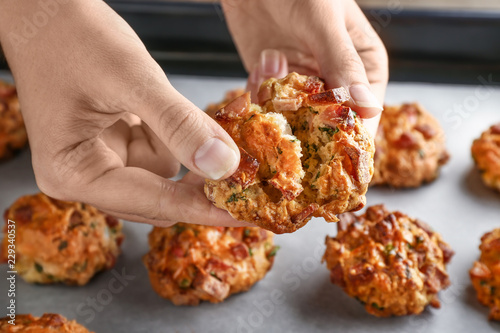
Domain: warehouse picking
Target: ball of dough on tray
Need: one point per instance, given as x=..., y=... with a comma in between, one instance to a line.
x=486, y=153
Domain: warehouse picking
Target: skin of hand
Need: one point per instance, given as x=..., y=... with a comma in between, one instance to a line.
x=331, y=39
x=85, y=82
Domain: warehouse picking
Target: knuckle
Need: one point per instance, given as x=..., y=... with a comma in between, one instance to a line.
x=179, y=126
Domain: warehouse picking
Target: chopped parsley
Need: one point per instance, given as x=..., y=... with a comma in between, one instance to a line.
x=388, y=249
x=376, y=306
x=38, y=267
x=62, y=245
x=419, y=239
x=421, y=153
x=273, y=251
x=246, y=232
x=235, y=197
x=179, y=228
x=317, y=175
x=184, y=283
x=279, y=150
x=312, y=110
x=250, y=252
x=328, y=130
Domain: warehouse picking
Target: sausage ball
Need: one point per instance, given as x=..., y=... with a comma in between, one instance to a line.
x=13, y=135
x=190, y=263
x=391, y=263
x=410, y=147
x=58, y=241
x=303, y=154
x=48, y=323
x=486, y=155
x=485, y=274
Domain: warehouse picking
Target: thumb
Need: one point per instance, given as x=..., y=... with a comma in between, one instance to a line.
x=194, y=139
x=342, y=67
x=272, y=63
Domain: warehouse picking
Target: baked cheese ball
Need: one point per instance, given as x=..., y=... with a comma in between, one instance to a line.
x=391, y=263
x=303, y=154
x=486, y=155
x=485, y=274
x=13, y=135
x=410, y=147
x=58, y=241
x=48, y=323
x=190, y=263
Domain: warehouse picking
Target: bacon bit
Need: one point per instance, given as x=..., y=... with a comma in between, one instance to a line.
x=411, y=111
x=236, y=233
x=287, y=104
x=313, y=85
x=361, y=161
x=75, y=219
x=53, y=320
x=239, y=251
x=220, y=229
x=332, y=96
x=337, y=276
x=493, y=245
x=345, y=220
x=111, y=221
x=424, y=226
x=406, y=141
x=375, y=213
x=237, y=108
x=216, y=265
x=447, y=251
x=427, y=131
x=384, y=229
x=110, y=260
x=246, y=172
x=339, y=116
x=435, y=278
x=443, y=159
x=23, y=214
x=264, y=94
x=177, y=251
x=361, y=274
x=480, y=271
x=305, y=213
x=211, y=285
x=495, y=129
x=7, y=91
x=289, y=189
x=119, y=240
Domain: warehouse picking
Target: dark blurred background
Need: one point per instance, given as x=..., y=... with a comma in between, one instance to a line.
x=447, y=41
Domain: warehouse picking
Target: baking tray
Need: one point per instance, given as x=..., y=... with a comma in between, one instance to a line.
x=457, y=205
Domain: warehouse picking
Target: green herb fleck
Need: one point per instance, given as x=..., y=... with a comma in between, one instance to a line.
x=92, y=225
x=306, y=165
x=482, y=282
x=410, y=247
x=388, y=249
x=304, y=126
x=235, y=197
x=312, y=110
x=213, y=274
x=317, y=175
x=250, y=252
x=38, y=267
x=246, y=232
x=62, y=245
x=179, y=228
x=315, y=147
x=273, y=251
x=421, y=153
x=185, y=283
x=328, y=130
x=354, y=114
x=294, y=140
x=419, y=239
x=280, y=151
x=376, y=306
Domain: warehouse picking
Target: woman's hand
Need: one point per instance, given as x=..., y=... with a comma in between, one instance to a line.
x=85, y=81
x=328, y=38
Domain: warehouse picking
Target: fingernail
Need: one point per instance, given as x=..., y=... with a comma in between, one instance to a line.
x=363, y=97
x=269, y=63
x=215, y=158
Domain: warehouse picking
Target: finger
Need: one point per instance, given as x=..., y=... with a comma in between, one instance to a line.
x=138, y=195
x=138, y=146
x=272, y=63
x=371, y=124
x=340, y=64
x=370, y=49
x=192, y=137
x=146, y=151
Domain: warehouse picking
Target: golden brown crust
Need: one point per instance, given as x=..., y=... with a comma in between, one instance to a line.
x=486, y=154
x=393, y=264
x=58, y=241
x=485, y=274
x=410, y=147
x=48, y=323
x=13, y=135
x=190, y=263
x=313, y=156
